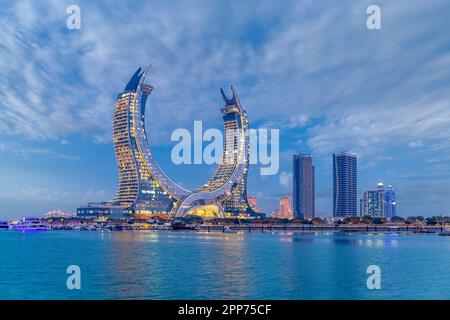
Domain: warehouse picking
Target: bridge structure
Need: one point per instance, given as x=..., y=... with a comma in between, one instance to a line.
x=145, y=189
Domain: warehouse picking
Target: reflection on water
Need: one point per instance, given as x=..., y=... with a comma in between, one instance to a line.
x=190, y=265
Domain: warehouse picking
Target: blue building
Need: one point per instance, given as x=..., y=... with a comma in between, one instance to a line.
x=303, y=186
x=390, y=202
x=344, y=185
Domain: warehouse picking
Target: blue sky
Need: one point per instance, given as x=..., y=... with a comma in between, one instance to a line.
x=309, y=68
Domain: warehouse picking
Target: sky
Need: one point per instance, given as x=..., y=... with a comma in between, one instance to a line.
x=311, y=69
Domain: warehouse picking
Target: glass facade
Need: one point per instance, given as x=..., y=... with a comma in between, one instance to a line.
x=373, y=202
x=390, y=202
x=303, y=186
x=227, y=188
x=137, y=188
x=344, y=185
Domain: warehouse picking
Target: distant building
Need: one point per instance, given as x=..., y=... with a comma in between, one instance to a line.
x=390, y=202
x=285, y=210
x=303, y=186
x=253, y=203
x=373, y=202
x=344, y=185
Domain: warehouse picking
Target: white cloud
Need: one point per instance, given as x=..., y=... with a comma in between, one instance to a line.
x=416, y=143
x=46, y=195
x=285, y=179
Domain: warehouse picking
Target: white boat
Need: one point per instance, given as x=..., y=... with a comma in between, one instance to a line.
x=29, y=224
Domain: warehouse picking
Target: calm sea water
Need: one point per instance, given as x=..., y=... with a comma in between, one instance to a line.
x=184, y=265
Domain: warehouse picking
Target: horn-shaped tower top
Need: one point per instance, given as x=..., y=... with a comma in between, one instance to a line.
x=234, y=101
x=133, y=84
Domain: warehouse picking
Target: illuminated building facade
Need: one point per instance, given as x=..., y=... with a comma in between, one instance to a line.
x=373, y=202
x=252, y=202
x=285, y=209
x=145, y=189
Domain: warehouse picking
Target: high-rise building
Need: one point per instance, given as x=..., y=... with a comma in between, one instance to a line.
x=390, y=202
x=303, y=186
x=144, y=188
x=285, y=209
x=373, y=202
x=344, y=185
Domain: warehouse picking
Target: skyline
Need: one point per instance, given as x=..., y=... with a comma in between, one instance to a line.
x=379, y=94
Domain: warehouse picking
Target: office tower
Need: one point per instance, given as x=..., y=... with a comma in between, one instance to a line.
x=344, y=185
x=303, y=186
x=390, y=202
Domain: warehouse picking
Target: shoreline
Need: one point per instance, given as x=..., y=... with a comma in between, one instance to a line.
x=227, y=229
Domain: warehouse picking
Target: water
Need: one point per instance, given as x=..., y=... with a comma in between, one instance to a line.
x=184, y=265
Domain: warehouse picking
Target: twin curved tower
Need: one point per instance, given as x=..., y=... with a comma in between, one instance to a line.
x=144, y=188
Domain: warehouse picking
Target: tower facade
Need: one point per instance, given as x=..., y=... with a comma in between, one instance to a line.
x=303, y=186
x=373, y=202
x=138, y=190
x=344, y=185
x=226, y=190
x=390, y=202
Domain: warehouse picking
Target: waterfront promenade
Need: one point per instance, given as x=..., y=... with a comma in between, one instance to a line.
x=321, y=228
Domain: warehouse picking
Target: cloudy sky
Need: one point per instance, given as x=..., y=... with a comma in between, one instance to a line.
x=309, y=68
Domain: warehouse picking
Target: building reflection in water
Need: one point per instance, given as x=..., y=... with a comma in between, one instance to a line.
x=132, y=263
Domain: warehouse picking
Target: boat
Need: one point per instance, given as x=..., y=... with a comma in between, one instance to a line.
x=445, y=233
x=92, y=227
x=4, y=225
x=29, y=224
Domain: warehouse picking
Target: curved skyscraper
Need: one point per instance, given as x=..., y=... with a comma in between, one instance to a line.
x=143, y=186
